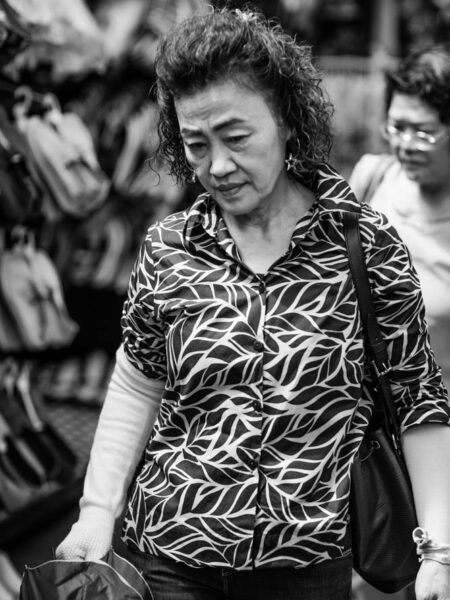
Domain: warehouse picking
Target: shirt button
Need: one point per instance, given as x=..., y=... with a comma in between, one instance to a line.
x=257, y=345
x=256, y=405
x=262, y=287
x=252, y=463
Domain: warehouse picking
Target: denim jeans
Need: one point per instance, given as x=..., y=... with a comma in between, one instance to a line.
x=171, y=580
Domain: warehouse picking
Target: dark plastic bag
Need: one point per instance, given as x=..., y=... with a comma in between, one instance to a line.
x=111, y=578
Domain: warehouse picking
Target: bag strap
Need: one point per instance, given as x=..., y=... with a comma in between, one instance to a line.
x=377, y=346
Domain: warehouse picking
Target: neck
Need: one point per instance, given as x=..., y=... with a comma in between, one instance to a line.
x=434, y=197
x=264, y=236
x=282, y=210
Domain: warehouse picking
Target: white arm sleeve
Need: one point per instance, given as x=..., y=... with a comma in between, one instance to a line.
x=130, y=409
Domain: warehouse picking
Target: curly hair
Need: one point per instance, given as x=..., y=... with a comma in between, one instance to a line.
x=425, y=73
x=243, y=44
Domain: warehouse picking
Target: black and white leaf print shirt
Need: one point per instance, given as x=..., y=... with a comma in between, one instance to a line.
x=266, y=397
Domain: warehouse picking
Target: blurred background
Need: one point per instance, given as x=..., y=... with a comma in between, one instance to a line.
x=355, y=41
x=88, y=67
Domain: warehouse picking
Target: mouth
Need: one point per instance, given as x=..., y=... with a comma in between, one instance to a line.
x=411, y=164
x=229, y=189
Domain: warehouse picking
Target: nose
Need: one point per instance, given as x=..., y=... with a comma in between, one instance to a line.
x=406, y=140
x=221, y=163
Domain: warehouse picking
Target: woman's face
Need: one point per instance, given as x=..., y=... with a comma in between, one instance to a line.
x=235, y=145
x=428, y=164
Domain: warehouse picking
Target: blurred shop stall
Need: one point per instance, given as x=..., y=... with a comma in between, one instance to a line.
x=77, y=125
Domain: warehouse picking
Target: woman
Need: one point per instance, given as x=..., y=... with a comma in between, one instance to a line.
x=413, y=187
x=242, y=362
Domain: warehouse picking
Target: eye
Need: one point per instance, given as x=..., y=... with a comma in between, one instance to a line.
x=425, y=135
x=195, y=146
x=236, y=139
x=395, y=127
x=196, y=150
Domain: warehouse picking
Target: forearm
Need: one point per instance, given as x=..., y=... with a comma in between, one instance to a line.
x=130, y=409
x=427, y=454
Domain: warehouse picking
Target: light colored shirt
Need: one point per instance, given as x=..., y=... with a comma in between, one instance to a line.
x=266, y=395
x=427, y=236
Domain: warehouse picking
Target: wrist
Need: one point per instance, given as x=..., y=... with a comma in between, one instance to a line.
x=430, y=549
x=90, y=537
x=98, y=517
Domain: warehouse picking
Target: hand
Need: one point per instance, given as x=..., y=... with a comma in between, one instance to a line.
x=85, y=543
x=433, y=581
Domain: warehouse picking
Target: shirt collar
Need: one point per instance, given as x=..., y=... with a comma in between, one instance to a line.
x=203, y=212
x=332, y=194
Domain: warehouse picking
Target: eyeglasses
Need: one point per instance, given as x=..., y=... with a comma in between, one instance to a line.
x=421, y=139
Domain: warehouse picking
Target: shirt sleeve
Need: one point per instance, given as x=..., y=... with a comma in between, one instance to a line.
x=416, y=379
x=143, y=335
x=130, y=409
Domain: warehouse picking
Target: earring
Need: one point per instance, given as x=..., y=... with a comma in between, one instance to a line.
x=193, y=177
x=290, y=162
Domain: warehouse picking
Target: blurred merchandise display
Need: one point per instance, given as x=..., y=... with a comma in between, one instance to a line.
x=77, y=127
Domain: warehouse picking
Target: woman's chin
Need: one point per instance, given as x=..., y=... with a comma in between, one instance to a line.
x=413, y=171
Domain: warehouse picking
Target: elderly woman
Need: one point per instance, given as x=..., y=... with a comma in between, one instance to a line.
x=411, y=186
x=235, y=409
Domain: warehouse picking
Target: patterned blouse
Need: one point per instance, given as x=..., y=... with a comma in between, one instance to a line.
x=266, y=396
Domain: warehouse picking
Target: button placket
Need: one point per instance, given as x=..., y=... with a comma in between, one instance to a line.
x=252, y=463
x=258, y=345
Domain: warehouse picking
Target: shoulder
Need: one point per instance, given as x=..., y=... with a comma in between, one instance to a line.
x=380, y=240
x=167, y=232
x=369, y=163
x=368, y=173
x=176, y=231
x=335, y=199
x=172, y=225
x=373, y=223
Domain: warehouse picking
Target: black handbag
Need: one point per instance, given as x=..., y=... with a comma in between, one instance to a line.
x=382, y=510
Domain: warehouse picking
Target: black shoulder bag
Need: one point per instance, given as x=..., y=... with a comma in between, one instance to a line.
x=381, y=502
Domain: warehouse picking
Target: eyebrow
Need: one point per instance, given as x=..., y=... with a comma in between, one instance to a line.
x=223, y=125
x=408, y=122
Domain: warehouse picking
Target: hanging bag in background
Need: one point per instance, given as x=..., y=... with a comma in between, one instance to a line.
x=63, y=154
x=59, y=461
x=63, y=35
x=9, y=334
x=22, y=476
x=19, y=192
x=34, y=459
x=32, y=294
x=111, y=578
x=15, y=36
x=18, y=478
x=15, y=421
x=382, y=507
